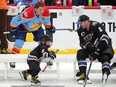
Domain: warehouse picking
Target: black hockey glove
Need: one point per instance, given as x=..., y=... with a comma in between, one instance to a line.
x=52, y=54
x=88, y=46
x=52, y=29
x=49, y=63
x=94, y=55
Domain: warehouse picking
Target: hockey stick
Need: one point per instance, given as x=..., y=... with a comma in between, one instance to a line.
x=64, y=29
x=49, y=61
x=88, y=72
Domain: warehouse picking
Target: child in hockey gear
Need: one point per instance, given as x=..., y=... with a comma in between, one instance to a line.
x=95, y=44
x=30, y=20
x=35, y=57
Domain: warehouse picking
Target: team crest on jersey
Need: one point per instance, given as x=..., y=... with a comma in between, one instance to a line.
x=83, y=34
x=88, y=37
x=25, y=14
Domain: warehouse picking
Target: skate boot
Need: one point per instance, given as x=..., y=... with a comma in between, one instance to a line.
x=106, y=73
x=5, y=51
x=35, y=81
x=12, y=65
x=24, y=75
x=81, y=78
x=104, y=78
x=113, y=65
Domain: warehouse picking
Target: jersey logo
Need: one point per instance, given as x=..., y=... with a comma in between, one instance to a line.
x=25, y=14
x=88, y=37
x=35, y=26
x=83, y=34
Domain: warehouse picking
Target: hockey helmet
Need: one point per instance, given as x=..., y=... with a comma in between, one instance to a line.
x=82, y=18
x=45, y=39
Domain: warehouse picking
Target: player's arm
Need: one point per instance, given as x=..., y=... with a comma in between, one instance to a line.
x=47, y=22
x=46, y=53
x=103, y=38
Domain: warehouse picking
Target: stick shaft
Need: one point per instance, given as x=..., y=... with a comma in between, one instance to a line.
x=88, y=72
x=64, y=29
x=49, y=60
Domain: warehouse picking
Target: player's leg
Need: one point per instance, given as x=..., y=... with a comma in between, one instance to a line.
x=37, y=34
x=105, y=59
x=20, y=39
x=82, y=64
x=34, y=69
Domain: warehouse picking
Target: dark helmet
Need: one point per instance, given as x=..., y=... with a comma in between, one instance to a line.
x=82, y=18
x=45, y=38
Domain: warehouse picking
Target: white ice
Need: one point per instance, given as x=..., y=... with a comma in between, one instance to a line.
x=49, y=77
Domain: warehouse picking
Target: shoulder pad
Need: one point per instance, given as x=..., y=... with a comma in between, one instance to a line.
x=46, y=12
x=94, y=23
x=28, y=13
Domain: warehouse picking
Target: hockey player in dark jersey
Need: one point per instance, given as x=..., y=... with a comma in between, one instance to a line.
x=35, y=57
x=96, y=44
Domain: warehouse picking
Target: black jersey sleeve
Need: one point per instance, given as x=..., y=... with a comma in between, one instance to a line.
x=102, y=35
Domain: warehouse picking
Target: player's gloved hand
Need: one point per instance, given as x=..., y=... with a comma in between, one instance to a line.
x=52, y=29
x=94, y=55
x=49, y=63
x=13, y=31
x=52, y=54
x=88, y=46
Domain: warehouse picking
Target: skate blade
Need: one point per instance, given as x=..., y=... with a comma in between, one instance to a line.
x=35, y=85
x=83, y=82
x=104, y=80
x=21, y=75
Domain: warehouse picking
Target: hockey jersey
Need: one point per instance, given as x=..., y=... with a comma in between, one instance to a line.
x=95, y=34
x=30, y=21
x=38, y=52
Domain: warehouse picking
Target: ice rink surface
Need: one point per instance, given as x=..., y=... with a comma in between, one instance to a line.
x=49, y=78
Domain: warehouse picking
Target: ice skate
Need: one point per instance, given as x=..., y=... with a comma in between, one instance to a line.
x=35, y=81
x=104, y=78
x=81, y=78
x=24, y=75
x=106, y=73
